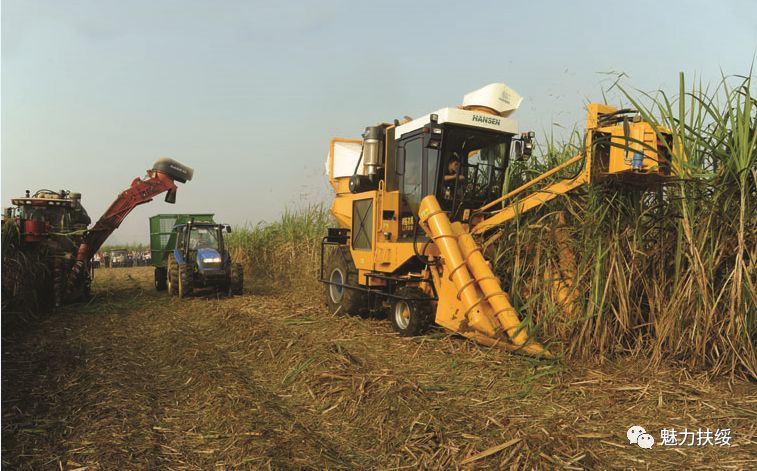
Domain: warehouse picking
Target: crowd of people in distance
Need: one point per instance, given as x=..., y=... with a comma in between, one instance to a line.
x=121, y=258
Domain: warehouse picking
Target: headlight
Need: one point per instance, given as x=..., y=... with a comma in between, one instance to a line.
x=212, y=260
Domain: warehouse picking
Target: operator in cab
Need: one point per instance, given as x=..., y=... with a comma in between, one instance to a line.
x=202, y=238
x=452, y=175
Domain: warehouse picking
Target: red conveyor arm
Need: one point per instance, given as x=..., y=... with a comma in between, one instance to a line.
x=140, y=192
x=160, y=179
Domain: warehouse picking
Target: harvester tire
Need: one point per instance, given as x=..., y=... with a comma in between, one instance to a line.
x=340, y=270
x=185, y=281
x=411, y=316
x=236, y=279
x=161, y=279
x=86, y=289
x=59, y=282
x=173, y=276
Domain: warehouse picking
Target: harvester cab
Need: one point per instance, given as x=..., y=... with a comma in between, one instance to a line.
x=201, y=260
x=48, y=211
x=411, y=196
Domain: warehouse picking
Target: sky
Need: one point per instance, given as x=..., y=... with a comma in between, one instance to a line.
x=249, y=93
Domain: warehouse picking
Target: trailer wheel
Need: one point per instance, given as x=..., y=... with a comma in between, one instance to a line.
x=411, y=316
x=340, y=271
x=173, y=276
x=236, y=279
x=160, y=278
x=185, y=281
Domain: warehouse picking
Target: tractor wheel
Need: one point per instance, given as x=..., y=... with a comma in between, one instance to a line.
x=412, y=316
x=340, y=271
x=173, y=276
x=236, y=279
x=185, y=281
x=160, y=278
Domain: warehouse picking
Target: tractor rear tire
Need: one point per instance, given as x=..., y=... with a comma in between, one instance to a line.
x=173, y=276
x=236, y=279
x=160, y=278
x=411, y=317
x=185, y=281
x=340, y=271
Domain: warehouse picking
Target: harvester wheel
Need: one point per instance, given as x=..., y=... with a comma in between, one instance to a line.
x=236, y=281
x=185, y=281
x=86, y=291
x=59, y=282
x=160, y=278
x=340, y=270
x=413, y=315
x=173, y=276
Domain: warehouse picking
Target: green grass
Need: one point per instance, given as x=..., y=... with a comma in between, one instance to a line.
x=285, y=251
x=668, y=274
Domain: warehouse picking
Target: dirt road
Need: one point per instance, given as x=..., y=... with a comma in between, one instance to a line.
x=135, y=380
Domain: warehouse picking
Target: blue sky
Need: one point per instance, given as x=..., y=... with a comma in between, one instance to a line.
x=249, y=93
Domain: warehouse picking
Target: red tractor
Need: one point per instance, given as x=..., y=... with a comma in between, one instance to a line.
x=52, y=227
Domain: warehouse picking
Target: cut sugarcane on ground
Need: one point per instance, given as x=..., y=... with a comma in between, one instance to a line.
x=271, y=379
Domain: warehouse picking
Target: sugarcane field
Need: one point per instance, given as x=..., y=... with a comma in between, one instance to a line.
x=250, y=235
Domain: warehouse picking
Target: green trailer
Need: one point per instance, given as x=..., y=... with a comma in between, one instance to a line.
x=163, y=240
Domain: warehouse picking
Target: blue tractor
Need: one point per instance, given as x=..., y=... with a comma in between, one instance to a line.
x=200, y=260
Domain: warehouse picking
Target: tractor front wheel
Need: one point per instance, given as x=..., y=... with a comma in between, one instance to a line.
x=185, y=281
x=411, y=314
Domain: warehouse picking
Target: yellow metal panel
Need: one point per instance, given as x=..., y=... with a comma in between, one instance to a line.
x=593, y=112
x=392, y=203
x=390, y=256
x=363, y=260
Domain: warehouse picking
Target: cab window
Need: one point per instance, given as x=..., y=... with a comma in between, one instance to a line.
x=203, y=238
x=413, y=175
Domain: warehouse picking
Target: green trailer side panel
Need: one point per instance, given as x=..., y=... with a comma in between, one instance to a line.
x=162, y=239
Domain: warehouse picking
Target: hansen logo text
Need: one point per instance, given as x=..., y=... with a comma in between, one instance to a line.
x=485, y=120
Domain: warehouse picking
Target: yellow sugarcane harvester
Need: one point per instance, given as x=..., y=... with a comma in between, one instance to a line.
x=417, y=199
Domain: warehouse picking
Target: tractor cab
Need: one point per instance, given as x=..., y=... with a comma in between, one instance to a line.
x=203, y=242
x=201, y=260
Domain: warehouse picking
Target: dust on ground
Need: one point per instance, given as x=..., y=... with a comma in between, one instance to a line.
x=271, y=380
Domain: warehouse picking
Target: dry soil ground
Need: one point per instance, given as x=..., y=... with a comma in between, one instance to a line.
x=136, y=380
